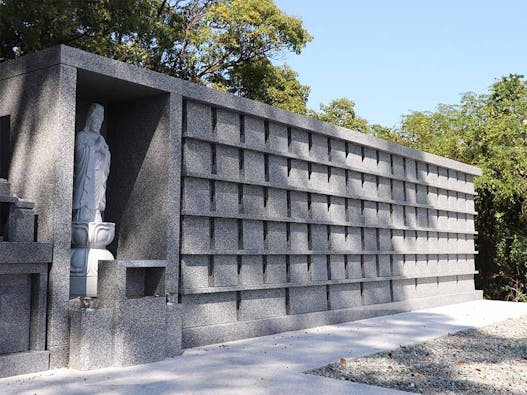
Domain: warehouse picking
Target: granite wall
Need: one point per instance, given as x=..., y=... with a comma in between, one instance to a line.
x=285, y=227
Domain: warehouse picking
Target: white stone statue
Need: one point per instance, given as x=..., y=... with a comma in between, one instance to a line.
x=92, y=166
x=90, y=235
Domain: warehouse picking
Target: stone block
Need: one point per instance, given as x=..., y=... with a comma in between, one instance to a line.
x=208, y=309
x=319, y=147
x=432, y=176
x=403, y=289
x=398, y=190
x=307, y=299
x=226, y=197
x=225, y=270
x=275, y=269
x=344, y=296
x=465, y=283
x=442, y=199
x=410, y=240
x=338, y=151
x=410, y=167
x=298, y=237
x=410, y=192
x=354, y=266
x=397, y=265
x=174, y=326
x=337, y=209
x=447, y=285
x=337, y=270
x=21, y=224
x=384, y=162
x=225, y=236
x=253, y=200
x=426, y=287
x=384, y=265
x=15, y=312
x=354, y=183
x=337, y=180
x=355, y=212
x=398, y=243
x=199, y=120
x=91, y=338
x=409, y=268
x=261, y=304
x=227, y=126
x=354, y=155
x=299, y=206
x=197, y=157
x=253, y=237
x=354, y=240
x=375, y=292
x=369, y=186
x=276, y=236
x=251, y=271
x=422, y=171
x=254, y=132
x=369, y=239
x=298, y=272
x=254, y=166
x=319, y=268
x=194, y=271
x=369, y=266
x=337, y=238
x=228, y=162
x=195, y=233
x=398, y=215
x=384, y=214
x=370, y=212
x=410, y=216
x=384, y=188
x=196, y=195
x=298, y=173
x=278, y=137
x=319, y=237
x=398, y=166
x=422, y=217
x=369, y=159
x=139, y=331
x=277, y=202
x=319, y=177
x=422, y=194
x=278, y=170
x=299, y=142
x=319, y=207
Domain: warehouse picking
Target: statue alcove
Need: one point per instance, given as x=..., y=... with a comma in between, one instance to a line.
x=136, y=129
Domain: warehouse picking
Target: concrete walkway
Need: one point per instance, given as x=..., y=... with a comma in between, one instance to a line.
x=271, y=364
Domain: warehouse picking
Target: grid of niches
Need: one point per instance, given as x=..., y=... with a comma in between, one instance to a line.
x=269, y=208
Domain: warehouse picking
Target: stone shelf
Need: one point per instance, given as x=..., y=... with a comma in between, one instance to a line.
x=25, y=252
x=321, y=192
x=215, y=214
x=252, y=287
x=324, y=252
x=334, y=164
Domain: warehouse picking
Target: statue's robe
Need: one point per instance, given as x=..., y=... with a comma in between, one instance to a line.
x=92, y=166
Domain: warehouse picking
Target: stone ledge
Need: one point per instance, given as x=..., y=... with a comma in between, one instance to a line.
x=204, y=335
x=22, y=252
x=23, y=362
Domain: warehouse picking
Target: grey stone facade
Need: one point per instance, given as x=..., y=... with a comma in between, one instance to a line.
x=285, y=222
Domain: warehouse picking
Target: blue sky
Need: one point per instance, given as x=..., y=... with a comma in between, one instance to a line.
x=392, y=57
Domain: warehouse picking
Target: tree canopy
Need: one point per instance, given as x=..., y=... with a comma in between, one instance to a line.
x=227, y=44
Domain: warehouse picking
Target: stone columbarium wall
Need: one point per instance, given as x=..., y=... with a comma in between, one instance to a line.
x=284, y=228
x=232, y=218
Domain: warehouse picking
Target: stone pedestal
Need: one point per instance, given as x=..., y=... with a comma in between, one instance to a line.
x=89, y=241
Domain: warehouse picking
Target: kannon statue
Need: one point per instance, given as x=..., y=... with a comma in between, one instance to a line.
x=92, y=166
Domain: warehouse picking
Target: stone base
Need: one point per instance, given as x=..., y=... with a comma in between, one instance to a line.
x=204, y=335
x=23, y=362
x=91, y=338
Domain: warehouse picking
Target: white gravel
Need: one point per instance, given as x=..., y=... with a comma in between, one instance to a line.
x=490, y=360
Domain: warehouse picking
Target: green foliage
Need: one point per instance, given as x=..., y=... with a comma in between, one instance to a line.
x=341, y=112
x=223, y=43
x=489, y=131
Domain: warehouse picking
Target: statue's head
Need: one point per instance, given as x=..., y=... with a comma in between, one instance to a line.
x=95, y=118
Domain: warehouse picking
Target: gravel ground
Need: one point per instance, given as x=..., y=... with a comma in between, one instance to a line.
x=490, y=360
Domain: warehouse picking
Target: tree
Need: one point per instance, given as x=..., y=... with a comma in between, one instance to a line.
x=228, y=44
x=341, y=112
x=489, y=131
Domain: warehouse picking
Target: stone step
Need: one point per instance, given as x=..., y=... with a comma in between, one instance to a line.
x=25, y=252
